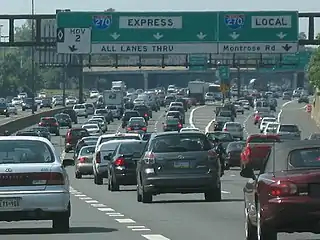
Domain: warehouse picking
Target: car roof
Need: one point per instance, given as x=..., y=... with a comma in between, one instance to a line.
x=116, y=141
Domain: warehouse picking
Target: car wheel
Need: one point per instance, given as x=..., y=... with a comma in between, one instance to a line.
x=146, y=197
x=57, y=133
x=86, y=116
x=66, y=150
x=60, y=223
x=213, y=195
x=139, y=197
x=112, y=184
x=78, y=175
x=250, y=230
x=98, y=180
x=264, y=232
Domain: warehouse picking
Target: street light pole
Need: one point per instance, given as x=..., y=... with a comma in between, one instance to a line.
x=32, y=60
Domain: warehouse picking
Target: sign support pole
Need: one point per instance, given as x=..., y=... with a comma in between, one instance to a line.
x=238, y=82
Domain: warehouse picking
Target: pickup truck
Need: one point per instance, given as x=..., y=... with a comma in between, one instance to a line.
x=256, y=149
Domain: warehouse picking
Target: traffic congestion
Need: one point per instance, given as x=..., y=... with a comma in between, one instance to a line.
x=168, y=164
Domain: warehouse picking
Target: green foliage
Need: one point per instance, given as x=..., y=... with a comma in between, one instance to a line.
x=314, y=68
x=16, y=67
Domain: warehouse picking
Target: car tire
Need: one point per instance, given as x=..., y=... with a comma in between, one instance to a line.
x=86, y=116
x=112, y=185
x=98, y=180
x=213, y=195
x=139, y=197
x=78, y=175
x=61, y=223
x=57, y=133
x=66, y=150
x=250, y=230
x=146, y=197
x=265, y=232
x=242, y=112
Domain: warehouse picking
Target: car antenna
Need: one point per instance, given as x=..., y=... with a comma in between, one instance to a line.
x=274, y=158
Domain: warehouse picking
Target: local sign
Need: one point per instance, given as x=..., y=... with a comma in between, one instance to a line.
x=177, y=32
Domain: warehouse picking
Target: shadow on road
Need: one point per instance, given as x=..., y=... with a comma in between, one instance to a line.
x=27, y=231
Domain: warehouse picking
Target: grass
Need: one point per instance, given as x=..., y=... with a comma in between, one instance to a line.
x=69, y=92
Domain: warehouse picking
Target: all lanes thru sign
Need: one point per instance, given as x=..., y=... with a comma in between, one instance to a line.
x=146, y=33
x=258, y=32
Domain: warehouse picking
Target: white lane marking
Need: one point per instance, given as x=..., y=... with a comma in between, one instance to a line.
x=191, y=116
x=91, y=201
x=244, y=125
x=125, y=220
x=106, y=209
x=85, y=198
x=135, y=226
x=98, y=205
x=155, y=237
x=80, y=195
x=116, y=215
x=157, y=121
x=225, y=192
x=207, y=129
x=281, y=110
x=140, y=229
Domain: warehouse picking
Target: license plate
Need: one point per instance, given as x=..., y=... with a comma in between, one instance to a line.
x=9, y=203
x=181, y=164
x=136, y=128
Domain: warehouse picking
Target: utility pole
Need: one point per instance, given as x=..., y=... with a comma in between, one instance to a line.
x=33, y=60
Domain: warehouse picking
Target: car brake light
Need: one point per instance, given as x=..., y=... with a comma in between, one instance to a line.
x=225, y=129
x=144, y=129
x=212, y=154
x=68, y=137
x=55, y=124
x=82, y=159
x=282, y=189
x=146, y=115
x=98, y=157
x=119, y=161
x=179, y=125
x=55, y=178
x=41, y=123
x=129, y=129
x=149, y=158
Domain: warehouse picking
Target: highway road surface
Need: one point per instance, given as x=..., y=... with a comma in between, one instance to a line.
x=98, y=214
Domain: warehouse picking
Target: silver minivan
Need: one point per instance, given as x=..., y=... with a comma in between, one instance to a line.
x=235, y=129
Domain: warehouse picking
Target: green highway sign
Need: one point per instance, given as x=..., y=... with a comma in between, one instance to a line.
x=138, y=32
x=258, y=32
x=223, y=73
x=198, y=62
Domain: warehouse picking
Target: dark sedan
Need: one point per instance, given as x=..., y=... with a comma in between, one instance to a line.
x=123, y=164
x=285, y=195
x=43, y=132
x=224, y=137
x=137, y=124
x=233, y=151
x=64, y=120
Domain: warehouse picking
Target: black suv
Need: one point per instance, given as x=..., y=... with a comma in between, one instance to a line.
x=127, y=115
x=64, y=120
x=51, y=123
x=4, y=109
x=179, y=163
x=28, y=103
x=144, y=111
x=72, y=114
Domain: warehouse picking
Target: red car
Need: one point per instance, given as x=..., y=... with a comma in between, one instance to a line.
x=285, y=195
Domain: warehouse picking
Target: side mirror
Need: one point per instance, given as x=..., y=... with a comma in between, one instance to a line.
x=67, y=162
x=247, y=172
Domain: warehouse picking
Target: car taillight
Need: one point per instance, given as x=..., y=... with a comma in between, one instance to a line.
x=55, y=124
x=179, y=125
x=129, y=129
x=149, y=158
x=282, y=189
x=225, y=129
x=119, y=161
x=257, y=117
x=41, y=124
x=146, y=115
x=212, y=154
x=82, y=159
x=144, y=129
x=68, y=137
x=55, y=178
x=98, y=157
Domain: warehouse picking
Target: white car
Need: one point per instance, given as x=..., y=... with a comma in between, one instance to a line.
x=38, y=100
x=17, y=101
x=209, y=97
x=42, y=95
x=93, y=128
x=12, y=109
x=71, y=100
x=139, y=102
x=101, y=161
x=80, y=110
x=189, y=129
x=117, y=136
x=245, y=104
x=94, y=94
x=234, y=128
x=34, y=182
x=239, y=108
x=265, y=121
x=271, y=128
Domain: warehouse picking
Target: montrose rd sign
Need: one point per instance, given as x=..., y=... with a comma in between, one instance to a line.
x=153, y=32
x=177, y=32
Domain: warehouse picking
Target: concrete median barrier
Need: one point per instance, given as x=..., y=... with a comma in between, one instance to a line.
x=21, y=123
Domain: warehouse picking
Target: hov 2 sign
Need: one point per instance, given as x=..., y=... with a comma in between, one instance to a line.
x=74, y=40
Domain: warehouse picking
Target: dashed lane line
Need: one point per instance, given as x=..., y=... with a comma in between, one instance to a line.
x=119, y=217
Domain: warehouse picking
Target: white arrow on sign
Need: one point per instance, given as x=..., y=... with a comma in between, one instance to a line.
x=234, y=35
x=115, y=35
x=158, y=36
x=281, y=35
x=201, y=35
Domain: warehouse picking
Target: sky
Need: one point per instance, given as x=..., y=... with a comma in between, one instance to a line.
x=49, y=7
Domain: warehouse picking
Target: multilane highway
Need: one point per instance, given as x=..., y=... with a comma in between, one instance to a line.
x=99, y=214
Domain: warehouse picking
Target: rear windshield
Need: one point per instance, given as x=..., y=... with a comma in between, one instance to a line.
x=143, y=108
x=62, y=116
x=131, y=114
x=101, y=111
x=27, y=134
x=119, y=138
x=288, y=128
x=111, y=107
x=180, y=143
x=87, y=150
x=137, y=122
x=79, y=107
x=235, y=146
x=135, y=148
x=305, y=158
x=42, y=129
x=225, y=114
x=25, y=151
x=173, y=114
x=89, y=126
x=172, y=121
x=79, y=133
x=264, y=140
x=221, y=136
x=48, y=120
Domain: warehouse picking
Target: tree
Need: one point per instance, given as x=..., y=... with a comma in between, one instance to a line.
x=302, y=36
x=314, y=69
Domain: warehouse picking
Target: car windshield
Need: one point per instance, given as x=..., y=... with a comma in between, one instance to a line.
x=173, y=114
x=48, y=120
x=88, y=150
x=183, y=142
x=79, y=106
x=235, y=146
x=262, y=139
x=288, y=128
x=79, y=133
x=119, y=138
x=40, y=129
x=137, y=122
x=305, y=158
x=62, y=116
x=225, y=114
x=111, y=107
x=25, y=151
x=132, y=148
x=315, y=136
x=90, y=126
x=101, y=111
x=220, y=136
